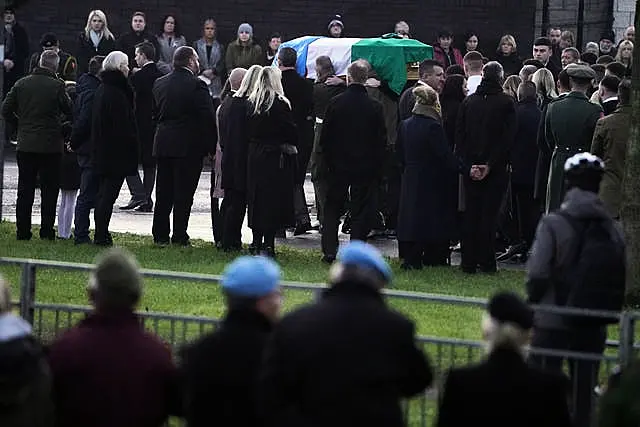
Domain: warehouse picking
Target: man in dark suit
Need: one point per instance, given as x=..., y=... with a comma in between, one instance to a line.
x=348, y=359
x=485, y=132
x=184, y=112
x=608, y=93
x=299, y=92
x=431, y=73
x=353, y=140
x=142, y=82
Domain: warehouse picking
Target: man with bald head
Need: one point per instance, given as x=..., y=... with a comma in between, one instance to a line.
x=353, y=141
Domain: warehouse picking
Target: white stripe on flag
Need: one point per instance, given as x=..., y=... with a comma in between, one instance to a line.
x=339, y=50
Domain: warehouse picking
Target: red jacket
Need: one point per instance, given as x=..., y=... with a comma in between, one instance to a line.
x=438, y=55
x=108, y=372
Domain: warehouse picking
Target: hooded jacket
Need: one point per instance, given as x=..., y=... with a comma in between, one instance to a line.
x=554, y=247
x=25, y=381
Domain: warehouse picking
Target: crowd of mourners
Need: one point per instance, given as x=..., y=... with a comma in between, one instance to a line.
x=512, y=158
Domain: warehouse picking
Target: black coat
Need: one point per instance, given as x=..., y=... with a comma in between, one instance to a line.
x=609, y=106
x=233, y=121
x=428, y=194
x=270, y=172
x=512, y=64
x=503, y=391
x=221, y=372
x=346, y=360
x=17, y=50
x=127, y=43
x=114, y=137
x=299, y=91
x=354, y=137
x=86, y=50
x=142, y=82
x=406, y=103
x=322, y=95
x=524, y=153
x=486, y=127
x=450, y=108
x=184, y=112
x=82, y=113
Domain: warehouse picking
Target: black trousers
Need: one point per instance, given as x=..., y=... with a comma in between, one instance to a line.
x=483, y=201
x=418, y=254
x=583, y=373
x=108, y=191
x=363, y=209
x=216, y=215
x=176, y=183
x=235, y=209
x=528, y=212
x=47, y=166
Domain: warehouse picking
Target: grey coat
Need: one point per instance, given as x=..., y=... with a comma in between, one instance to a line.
x=214, y=62
x=553, y=249
x=166, y=51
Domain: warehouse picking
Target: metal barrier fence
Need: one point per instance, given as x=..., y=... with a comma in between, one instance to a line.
x=49, y=320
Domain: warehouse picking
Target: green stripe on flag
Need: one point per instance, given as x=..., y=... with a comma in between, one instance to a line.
x=389, y=57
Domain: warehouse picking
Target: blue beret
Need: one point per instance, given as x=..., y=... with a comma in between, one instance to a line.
x=361, y=254
x=250, y=276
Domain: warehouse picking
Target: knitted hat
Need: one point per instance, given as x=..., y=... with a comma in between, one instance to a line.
x=245, y=28
x=336, y=20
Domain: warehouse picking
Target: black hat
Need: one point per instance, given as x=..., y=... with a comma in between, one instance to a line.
x=336, y=20
x=507, y=307
x=608, y=35
x=542, y=41
x=49, y=40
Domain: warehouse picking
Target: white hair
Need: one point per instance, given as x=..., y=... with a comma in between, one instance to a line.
x=497, y=334
x=114, y=61
x=103, y=17
x=266, y=90
x=249, y=81
x=5, y=296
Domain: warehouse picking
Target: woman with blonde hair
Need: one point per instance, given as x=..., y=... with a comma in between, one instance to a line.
x=271, y=162
x=428, y=193
x=625, y=55
x=503, y=389
x=95, y=40
x=510, y=87
x=545, y=87
x=507, y=55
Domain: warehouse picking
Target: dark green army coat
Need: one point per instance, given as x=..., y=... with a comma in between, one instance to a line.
x=610, y=142
x=38, y=105
x=568, y=126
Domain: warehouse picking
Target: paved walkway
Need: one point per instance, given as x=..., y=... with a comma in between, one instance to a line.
x=199, y=224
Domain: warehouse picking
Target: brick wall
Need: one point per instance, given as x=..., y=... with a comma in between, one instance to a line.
x=363, y=18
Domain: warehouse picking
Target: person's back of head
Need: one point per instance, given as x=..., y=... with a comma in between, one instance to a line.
x=584, y=171
x=49, y=60
x=527, y=72
x=358, y=72
x=493, y=72
x=183, y=57
x=95, y=65
x=249, y=81
x=454, y=69
x=116, y=285
x=617, y=69
x=564, y=82
x=287, y=57
x=148, y=50
x=235, y=78
x=473, y=63
x=610, y=85
x=589, y=58
x=358, y=262
x=624, y=92
x=324, y=68
x=605, y=60
x=600, y=70
x=507, y=323
x=527, y=92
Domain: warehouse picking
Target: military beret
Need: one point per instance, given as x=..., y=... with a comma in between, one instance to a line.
x=578, y=71
x=507, y=307
x=360, y=254
x=251, y=276
x=49, y=40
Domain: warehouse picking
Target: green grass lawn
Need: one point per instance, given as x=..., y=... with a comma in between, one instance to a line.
x=204, y=299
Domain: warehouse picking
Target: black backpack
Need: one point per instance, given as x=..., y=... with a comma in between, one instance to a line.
x=595, y=278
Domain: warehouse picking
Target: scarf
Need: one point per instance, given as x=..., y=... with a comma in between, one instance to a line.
x=433, y=112
x=95, y=38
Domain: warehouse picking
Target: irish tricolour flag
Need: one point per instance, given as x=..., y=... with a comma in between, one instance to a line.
x=388, y=55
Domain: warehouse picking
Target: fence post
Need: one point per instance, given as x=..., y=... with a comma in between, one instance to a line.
x=317, y=294
x=27, y=292
x=627, y=338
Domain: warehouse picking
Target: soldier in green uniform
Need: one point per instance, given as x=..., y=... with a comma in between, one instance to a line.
x=568, y=127
x=67, y=69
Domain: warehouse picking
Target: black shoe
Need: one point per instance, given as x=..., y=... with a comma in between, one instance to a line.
x=83, y=241
x=161, y=243
x=50, y=237
x=132, y=205
x=302, y=229
x=145, y=207
x=254, y=249
x=184, y=243
x=24, y=237
x=108, y=242
x=492, y=269
x=468, y=270
x=328, y=259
